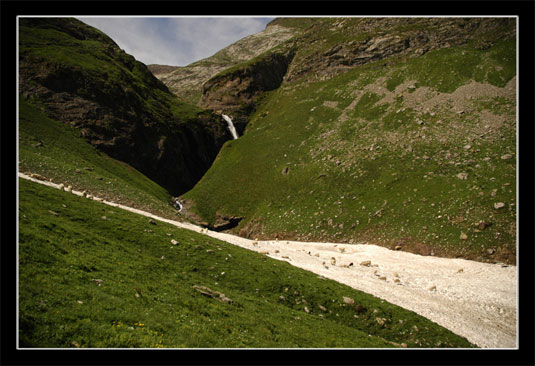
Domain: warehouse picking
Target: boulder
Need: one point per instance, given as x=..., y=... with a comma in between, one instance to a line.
x=482, y=225
x=97, y=281
x=213, y=294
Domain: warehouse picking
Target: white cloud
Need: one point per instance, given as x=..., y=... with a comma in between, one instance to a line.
x=175, y=41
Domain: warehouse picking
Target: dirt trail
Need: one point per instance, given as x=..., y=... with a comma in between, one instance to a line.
x=472, y=299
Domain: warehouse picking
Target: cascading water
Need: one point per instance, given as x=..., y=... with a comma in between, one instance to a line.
x=177, y=204
x=230, y=125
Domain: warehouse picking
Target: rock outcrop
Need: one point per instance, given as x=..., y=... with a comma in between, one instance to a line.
x=80, y=77
x=368, y=40
x=187, y=81
x=235, y=90
x=361, y=41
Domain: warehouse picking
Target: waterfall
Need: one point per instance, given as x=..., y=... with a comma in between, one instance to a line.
x=231, y=127
x=177, y=204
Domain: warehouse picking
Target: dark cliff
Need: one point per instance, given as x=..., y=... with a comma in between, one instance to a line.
x=79, y=76
x=235, y=89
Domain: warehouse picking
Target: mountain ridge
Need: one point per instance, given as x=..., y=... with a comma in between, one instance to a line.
x=329, y=46
x=186, y=81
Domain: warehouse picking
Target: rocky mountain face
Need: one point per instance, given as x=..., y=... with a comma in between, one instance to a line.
x=235, y=90
x=325, y=47
x=79, y=76
x=187, y=82
x=359, y=41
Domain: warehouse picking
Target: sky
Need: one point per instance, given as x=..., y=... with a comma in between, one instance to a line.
x=176, y=41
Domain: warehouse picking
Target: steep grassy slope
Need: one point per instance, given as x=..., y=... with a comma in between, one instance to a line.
x=79, y=76
x=57, y=152
x=416, y=150
x=91, y=275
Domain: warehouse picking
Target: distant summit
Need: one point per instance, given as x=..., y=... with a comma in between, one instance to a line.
x=159, y=70
x=187, y=81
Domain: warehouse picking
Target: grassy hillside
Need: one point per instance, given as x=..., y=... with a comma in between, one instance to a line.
x=78, y=76
x=69, y=45
x=91, y=275
x=418, y=154
x=57, y=152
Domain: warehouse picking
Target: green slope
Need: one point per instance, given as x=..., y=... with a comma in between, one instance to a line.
x=57, y=152
x=78, y=76
x=374, y=154
x=112, y=77
x=91, y=275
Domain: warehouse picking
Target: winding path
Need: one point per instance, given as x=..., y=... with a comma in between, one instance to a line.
x=472, y=299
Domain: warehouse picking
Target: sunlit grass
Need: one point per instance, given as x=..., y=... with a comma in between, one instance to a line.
x=97, y=276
